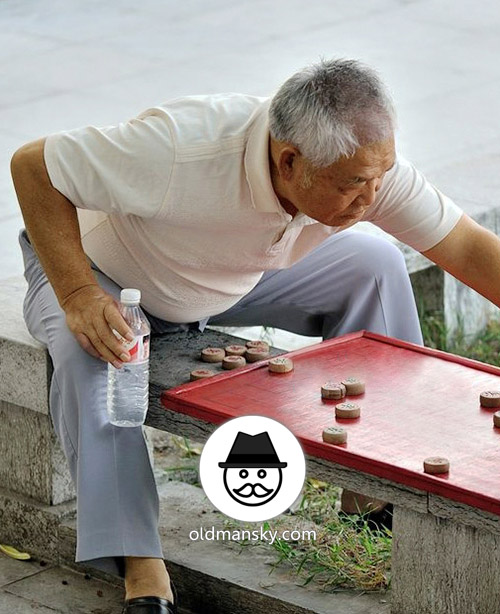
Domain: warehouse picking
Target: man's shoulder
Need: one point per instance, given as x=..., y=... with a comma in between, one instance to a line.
x=195, y=120
x=399, y=175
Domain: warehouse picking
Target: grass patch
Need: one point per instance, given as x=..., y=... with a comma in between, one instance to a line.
x=485, y=347
x=343, y=556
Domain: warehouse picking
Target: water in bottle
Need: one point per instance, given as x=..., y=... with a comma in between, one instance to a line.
x=128, y=387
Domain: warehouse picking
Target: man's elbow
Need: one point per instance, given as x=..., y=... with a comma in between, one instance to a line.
x=30, y=153
x=28, y=159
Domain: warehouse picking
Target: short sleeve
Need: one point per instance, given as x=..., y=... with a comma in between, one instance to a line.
x=123, y=169
x=412, y=209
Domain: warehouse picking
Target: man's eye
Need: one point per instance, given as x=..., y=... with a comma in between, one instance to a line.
x=353, y=183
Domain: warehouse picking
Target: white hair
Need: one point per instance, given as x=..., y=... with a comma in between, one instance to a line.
x=329, y=109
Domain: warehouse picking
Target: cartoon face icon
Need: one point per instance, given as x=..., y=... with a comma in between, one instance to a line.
x=252, y=472
x=253, y=486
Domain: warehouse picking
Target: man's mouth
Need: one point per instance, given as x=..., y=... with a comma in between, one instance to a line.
x=356, y=213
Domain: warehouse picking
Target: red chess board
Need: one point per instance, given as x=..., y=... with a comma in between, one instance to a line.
x=418, y=403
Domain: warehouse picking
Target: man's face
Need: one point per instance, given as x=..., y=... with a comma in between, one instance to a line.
x=253, y=486
x=339, y=194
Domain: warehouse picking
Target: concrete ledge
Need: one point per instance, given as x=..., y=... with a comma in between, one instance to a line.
x=442, y=567
x=32, y=461
x=175, y=355
x=25, y=366
x=463, y=514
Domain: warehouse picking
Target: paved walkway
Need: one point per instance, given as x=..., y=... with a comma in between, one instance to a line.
x=66, y=63
x=28, y=586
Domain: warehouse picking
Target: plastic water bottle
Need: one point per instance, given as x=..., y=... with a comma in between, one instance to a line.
x=128, y=387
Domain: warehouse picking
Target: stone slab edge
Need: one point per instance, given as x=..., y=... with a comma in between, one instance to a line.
x=25, y=374
x=32, y=527
x=25, y=367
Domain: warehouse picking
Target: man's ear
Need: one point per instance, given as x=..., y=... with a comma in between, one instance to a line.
x=287, y=162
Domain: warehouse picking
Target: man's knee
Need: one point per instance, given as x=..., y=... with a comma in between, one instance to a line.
x=71, y=361
x=379, y=258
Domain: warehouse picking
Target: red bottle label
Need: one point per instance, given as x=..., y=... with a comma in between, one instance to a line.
x=138, y=349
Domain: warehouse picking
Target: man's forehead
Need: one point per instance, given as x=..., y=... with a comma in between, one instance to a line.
x=367, y=160
x=371, y=156
x=383, y=164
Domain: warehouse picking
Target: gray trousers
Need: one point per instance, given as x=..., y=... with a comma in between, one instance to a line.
x=350, y=282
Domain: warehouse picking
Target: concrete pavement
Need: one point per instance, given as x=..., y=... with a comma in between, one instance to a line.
x=76, y=62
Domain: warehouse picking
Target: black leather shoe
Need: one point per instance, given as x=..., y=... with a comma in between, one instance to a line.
x=151, y=604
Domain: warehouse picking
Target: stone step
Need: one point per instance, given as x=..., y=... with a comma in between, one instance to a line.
x=216, y=577
x=32, y=526
x=37, y=586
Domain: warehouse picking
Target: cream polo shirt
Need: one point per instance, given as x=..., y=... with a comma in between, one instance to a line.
x=179, y=203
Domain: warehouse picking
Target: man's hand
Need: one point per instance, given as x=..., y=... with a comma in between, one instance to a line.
x=91, y=314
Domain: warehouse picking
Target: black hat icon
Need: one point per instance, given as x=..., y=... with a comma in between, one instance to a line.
x=252, y=451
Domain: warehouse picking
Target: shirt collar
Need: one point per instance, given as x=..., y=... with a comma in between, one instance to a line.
x=257, y=164
x=258, y=173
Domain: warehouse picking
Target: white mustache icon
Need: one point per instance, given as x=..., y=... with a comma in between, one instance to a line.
x=249, y=490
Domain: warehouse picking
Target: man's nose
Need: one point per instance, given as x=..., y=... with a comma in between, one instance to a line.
x=370, y=192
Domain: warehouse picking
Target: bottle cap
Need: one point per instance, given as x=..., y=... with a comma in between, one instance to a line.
x=130, y=296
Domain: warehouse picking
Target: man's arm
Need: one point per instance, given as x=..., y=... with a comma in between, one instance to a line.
x=52, y=225
x=51, y=222
x=471, y=254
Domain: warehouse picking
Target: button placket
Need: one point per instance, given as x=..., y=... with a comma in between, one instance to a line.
x=293, y=225
x=280, y=245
